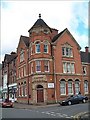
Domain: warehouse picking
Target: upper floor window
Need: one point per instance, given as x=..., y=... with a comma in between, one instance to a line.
x=66, y=51
x=21, y=55
x=31, y=68
x=84, y=70
x=37, y=47
x=38, y=66
x=45, y=48
x=46, y=66
x=68, y=67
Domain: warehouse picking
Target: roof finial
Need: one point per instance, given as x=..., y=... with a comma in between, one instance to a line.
x=39, y=16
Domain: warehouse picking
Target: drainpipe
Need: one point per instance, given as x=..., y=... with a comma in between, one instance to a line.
x=54, y=72
x=28, y=73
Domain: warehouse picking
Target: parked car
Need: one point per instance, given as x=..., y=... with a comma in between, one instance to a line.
x=74, y=99
x=7, y=103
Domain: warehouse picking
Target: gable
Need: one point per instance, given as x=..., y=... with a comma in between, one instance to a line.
x=23, y=41
x=62, y=33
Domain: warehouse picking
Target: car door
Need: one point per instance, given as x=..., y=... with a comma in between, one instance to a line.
x=75, y=99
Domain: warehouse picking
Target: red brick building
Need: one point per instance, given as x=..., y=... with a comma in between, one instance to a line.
x=9, y=85
x=50, y=65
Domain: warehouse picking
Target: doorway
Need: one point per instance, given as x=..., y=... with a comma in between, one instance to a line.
x=40, y=97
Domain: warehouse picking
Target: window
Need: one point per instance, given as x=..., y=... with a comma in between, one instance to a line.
x=77, y=88
x=19, y=89
x=31, y=68
x=19, y=74
x=66, y=51
x=37, y=47
x=68, y=67
x=64, y=67
x=70, y=87
x=24, y=70
x=21, y=55
x=85, y=86
x=72, y=68
x=22, y=92
x=24, y=89
x=46, y=66
x=45, y=48
x=84, y=70
x=62, y=87
x=38, y=66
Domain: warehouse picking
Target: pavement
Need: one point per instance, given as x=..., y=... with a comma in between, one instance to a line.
x=29, y=106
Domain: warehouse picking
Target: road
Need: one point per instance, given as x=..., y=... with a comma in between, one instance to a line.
x=46, y=112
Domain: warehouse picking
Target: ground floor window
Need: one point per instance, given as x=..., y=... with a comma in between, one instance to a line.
x=70, y=87
x=62, y=87
x=77, y=87
x=85, y=86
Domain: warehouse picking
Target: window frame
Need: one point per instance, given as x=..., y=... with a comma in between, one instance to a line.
x=46, y=66
x=86, y=89
x=39, y=62
x=36, y=47
x=22, y=55
x=67, y=51
x=64, y=88
x=70, y=87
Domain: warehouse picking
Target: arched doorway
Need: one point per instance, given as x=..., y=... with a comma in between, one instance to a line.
x=40, y=97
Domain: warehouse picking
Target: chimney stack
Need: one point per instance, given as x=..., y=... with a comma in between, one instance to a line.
x=86, y=49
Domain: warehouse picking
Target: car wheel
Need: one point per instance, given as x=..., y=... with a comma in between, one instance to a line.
x=69, y=103
x=83, y=100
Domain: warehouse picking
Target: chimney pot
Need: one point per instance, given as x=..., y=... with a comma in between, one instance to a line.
x=86, y=49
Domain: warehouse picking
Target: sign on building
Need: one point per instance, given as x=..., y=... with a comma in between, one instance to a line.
x=50, y=85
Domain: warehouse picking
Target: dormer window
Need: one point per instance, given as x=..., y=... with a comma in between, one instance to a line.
x=84, y=70
x=21, y=55
x=37, y=47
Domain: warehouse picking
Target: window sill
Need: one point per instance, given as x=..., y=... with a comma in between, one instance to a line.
x=67, y=56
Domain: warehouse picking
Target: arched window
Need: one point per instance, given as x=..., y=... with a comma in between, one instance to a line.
x=86, y=87
x=77, y=86
x=37, y=47
x=46, y=46
x=70, y=87
x=62, y=87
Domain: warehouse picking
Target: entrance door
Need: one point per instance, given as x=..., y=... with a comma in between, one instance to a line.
x=40, y=93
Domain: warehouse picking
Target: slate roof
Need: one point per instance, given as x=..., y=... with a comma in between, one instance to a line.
x=58, y=35
x=26, y=40
x=39, y=23
x=85, y=57
x=10, y=57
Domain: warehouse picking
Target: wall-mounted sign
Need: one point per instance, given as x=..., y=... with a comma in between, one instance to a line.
x=50, y=85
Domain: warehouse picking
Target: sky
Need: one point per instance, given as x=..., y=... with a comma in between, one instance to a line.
x=17, y=17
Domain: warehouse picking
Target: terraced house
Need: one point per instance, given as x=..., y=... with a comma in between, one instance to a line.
x=9, y=85
x=50, y=65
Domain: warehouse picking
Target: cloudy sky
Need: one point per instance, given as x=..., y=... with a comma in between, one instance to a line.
x=17, y=17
